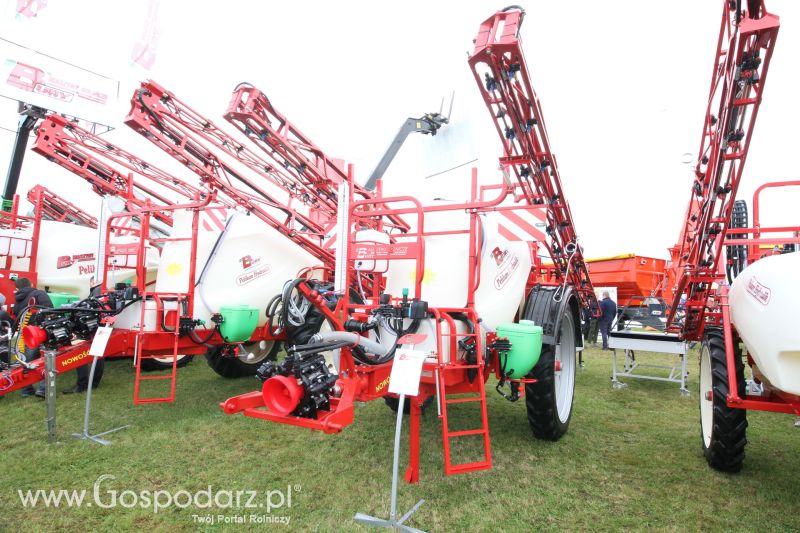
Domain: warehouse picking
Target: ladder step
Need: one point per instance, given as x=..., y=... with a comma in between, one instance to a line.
x=151, y=378
x=463, y=400
x=469, y=467
x=464, y=433
x=153, y=400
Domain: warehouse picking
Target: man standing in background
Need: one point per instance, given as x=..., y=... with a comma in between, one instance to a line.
x=608, y=311
x=590, y=324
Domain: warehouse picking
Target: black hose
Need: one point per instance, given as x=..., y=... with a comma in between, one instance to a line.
x=302, y=350
x=286, y=297
x=271, y=309
x=195, y=339
x=149, y=111
x=520, y=9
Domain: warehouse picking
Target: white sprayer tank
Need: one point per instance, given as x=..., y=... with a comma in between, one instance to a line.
x=764, y=300
x=250, y=265
x=66, y=256
x=504, y=270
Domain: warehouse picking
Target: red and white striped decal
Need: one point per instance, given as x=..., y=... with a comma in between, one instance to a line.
x=213, y=219
x=125, y=222
x=520, y=224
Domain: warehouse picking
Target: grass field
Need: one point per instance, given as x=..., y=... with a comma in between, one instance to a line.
x=631, y=460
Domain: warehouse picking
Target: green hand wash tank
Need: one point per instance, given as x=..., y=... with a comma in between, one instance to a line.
x=526, y=345
x=61, y=298
x=239, y=322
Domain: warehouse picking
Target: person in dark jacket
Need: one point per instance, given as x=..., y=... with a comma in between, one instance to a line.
x=83, y=371
x=589, y=324
x=608, y=311
x=27, y=296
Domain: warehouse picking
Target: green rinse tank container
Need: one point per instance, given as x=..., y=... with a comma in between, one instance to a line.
x=526, y=346
x=239, y=322
x=61, y=298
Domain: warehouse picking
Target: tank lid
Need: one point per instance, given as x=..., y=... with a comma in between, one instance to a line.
x=524, y=326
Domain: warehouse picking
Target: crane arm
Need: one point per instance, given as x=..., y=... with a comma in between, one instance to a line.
x=427, y=124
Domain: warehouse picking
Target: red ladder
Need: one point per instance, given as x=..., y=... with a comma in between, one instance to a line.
x=167, y=320
x=183, y=309
x=141, y=355
x=477, y=396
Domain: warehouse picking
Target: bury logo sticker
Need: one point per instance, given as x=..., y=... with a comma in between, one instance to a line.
x=66, y=261
x=758, y=291
x=253, y=269
x=499, y=255
x=507, y=264
x=247, y=261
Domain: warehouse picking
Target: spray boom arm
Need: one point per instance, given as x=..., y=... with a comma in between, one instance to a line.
x=109, y=169
x=225, y=165
x=498, y=65
x=252, y=113
x=744, y=49
x=56, y=208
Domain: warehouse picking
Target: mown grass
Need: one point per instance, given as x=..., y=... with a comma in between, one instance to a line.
x=631, y=460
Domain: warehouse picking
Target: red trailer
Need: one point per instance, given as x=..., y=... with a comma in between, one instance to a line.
x=632, y=275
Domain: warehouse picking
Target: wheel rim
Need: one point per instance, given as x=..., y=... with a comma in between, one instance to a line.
x=706, y=403
x=255, y=352
x=168, y=360
x=565, y=360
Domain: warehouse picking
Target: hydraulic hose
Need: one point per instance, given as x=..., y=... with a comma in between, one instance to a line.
x=351, y=338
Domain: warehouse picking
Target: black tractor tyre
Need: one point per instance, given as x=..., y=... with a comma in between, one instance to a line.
x=722, y=428
x=235, y=367
x=393, y=403
x=542, y=398
x=165, y=363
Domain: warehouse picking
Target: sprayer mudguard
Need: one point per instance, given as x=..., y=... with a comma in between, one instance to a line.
x=547, y=312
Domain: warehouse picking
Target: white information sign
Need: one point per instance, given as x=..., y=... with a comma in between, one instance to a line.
x=100, y=341
x=406, y=371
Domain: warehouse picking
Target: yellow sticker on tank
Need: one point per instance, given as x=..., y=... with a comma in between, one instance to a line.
x=429, y=276
x=173, y=269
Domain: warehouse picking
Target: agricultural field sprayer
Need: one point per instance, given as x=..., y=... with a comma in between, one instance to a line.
x=452, y=286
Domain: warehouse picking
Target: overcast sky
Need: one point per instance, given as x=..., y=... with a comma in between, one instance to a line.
x=623, y=87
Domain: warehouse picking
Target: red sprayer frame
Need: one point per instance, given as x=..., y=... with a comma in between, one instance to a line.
x=12, y=220
x=127, y=343
x=744, y=50
x=109, y=169
x=227, y=166
x=364, y=383
x=752, y=238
